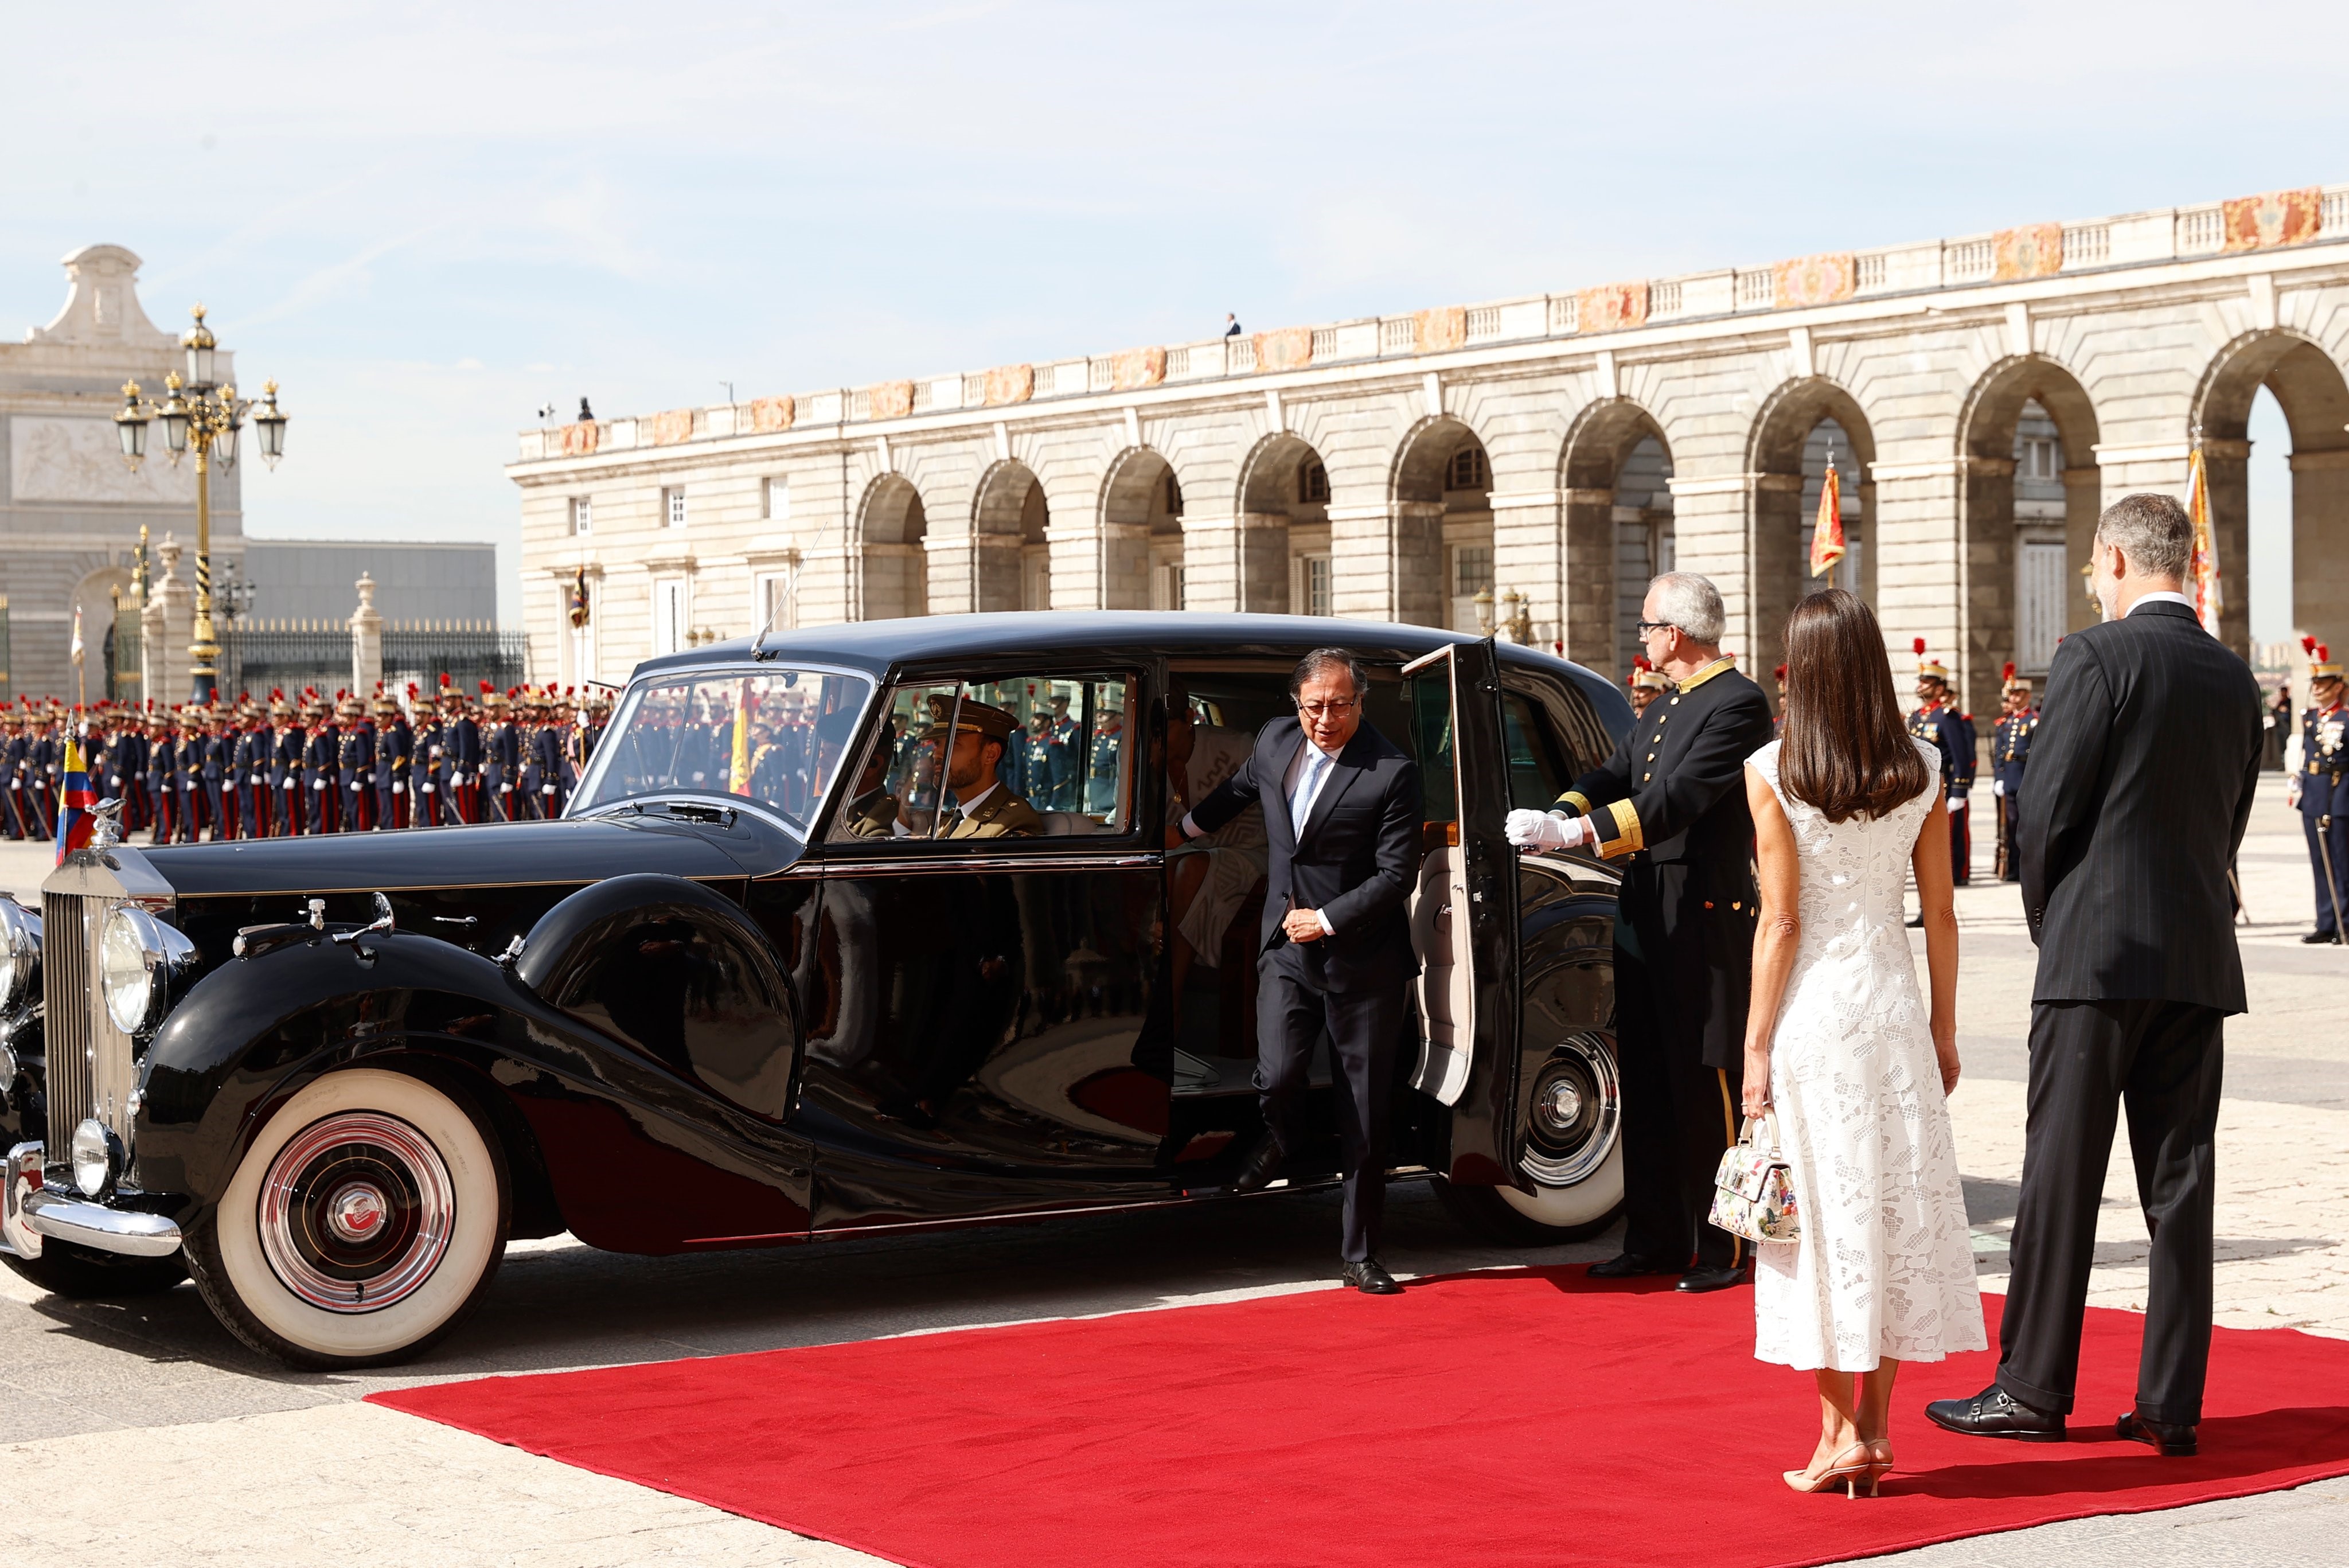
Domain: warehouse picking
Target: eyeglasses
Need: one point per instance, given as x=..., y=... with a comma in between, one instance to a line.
x=1648, y=625
x=1328, y=709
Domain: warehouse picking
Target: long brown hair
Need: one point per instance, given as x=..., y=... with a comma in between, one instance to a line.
x=1845, y=750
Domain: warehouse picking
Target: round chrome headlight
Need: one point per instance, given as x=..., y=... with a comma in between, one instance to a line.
x=97, y=1158
x=132, y=974
x=20, y=951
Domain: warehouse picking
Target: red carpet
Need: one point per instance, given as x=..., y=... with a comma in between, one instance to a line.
x=1518, y=1417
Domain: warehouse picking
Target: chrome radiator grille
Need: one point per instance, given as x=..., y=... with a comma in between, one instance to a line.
x=89, y=1066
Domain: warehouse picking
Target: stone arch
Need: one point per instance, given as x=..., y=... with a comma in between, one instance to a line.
x=1614, y=474
x=2028, y=497
x=1010, y=559
x=1141, y=529
x=94, y=597
x=1786, y=461
x=1279, y=556
x=2311, y=389
x=892, y=530
x=1441, y=492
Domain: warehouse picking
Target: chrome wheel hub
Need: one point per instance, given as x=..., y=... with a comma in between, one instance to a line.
x=357, y=1211
x=1578, y=1112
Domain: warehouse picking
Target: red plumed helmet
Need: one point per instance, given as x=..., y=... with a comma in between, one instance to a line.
x=445, y=683
x=1919, y=644
x=487, y=689
x=1780, y=672
x=411, y=690
x=2323, y=654
x=2007, y=673
x=277, y=694
x=2308, y=645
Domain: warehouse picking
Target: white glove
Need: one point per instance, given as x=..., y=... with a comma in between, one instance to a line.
x=399, y=789
x=1956, y=803
x=505, y=789
x=427, y=789
x=1998, y=787
x=317, y=784
x=2291, y=791
x=1535, y=831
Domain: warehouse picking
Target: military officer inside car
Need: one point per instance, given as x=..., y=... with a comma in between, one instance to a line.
x=1938, y=723
x=985, y=806
x=1669, y=807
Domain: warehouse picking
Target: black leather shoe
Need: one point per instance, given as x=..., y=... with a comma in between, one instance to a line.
x=1371, y=1277
x=2167, y=1438
x=2314, y=938
x=1632, y=1266
x=1704, y=1277
x=1262, y=1168
x=1995, y=1413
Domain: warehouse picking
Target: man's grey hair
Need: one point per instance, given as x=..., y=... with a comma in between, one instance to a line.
x=1322, y=661
x=1691, y=603
x=2153, y=531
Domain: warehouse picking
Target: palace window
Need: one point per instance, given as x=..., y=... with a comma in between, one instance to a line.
x=1472, y=570
x=1468, y=470
x=673, y=507
x=2041, y=459
x=1314, y=570
x=779, y=500
x=582, y=515
x=773, y=594
x=1313, y=484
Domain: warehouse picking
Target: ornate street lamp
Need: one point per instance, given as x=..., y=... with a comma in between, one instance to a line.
x=199, y=413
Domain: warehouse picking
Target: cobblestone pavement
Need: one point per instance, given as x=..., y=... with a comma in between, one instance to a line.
x=157, y=1437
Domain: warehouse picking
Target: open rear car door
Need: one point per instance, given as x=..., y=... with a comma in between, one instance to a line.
x=1464, y=913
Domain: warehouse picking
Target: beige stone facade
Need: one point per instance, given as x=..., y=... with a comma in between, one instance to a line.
x=70, y=510
x=1559, y=445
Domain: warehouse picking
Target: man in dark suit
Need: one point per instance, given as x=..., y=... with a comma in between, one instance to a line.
x=1669, y=804
x=1341, y=820
x=2143, y=773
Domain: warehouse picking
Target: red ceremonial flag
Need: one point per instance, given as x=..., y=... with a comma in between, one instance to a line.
x=2204, y=572
x=1827, y=532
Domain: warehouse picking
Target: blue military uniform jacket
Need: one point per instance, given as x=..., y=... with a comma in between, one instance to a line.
x=2010, y=750
x=1953, y=733
x=2325, y=761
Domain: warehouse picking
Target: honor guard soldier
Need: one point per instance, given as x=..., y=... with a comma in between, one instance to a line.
x=547, y=742
x=2009, y=749
x=498, y=760
x=12, y=762
x=159, y=779
x=1938, y=722
x=321, y=750
x=428, y=779
x=1647, y=684
x=395, y=760
x=286, y=790
x=1778, y=722
x=1100, y=780
x=2320, y=788
x=354, y=765
x=985, y=806
x=464, y=748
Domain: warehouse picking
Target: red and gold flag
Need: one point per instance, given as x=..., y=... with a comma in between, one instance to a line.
x=1827, y=532
x=2204, y=571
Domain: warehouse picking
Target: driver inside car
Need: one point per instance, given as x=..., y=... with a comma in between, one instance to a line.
x=986, y=808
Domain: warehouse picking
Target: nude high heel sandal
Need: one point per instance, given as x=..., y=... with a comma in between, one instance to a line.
x=1847, y=1470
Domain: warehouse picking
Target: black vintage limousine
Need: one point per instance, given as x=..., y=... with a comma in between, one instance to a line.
x=753, y=989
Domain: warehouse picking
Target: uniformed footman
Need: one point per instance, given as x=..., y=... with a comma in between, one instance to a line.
x=2010, y=750
x=1669, y=807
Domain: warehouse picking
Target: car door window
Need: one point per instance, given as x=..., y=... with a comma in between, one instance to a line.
x=1537, y=774
x=1066, y=756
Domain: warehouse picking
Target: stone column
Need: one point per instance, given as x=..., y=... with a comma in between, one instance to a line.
x=1529, y=556
x=2320, y=522
x=167, y=624
x=2228, y=465
x=1386, y=562
x=2084, y=499
x=1713, y=526
x=1589, y=546
x=366, y=642
x=1236, y=564
x=1922, y=567
x=1987, y=610
x=1100, y=566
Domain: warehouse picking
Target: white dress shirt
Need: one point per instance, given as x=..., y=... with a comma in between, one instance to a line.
x=2158, y=596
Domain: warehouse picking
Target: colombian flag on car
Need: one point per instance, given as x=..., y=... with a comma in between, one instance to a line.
x=75, y=823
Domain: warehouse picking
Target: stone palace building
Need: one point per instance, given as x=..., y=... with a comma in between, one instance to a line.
x=1982, y=397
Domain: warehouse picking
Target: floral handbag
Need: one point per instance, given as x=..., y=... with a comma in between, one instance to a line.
x=1754, y=1189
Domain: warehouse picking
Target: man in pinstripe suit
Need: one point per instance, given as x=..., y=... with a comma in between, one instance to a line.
x=2142, y=772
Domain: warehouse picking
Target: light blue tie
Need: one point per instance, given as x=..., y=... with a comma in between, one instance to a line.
x=1300, y=805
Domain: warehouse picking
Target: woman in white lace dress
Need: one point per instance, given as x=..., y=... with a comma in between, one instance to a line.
x=1844, y=1052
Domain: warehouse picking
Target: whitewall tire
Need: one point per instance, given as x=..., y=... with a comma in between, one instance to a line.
x=366, y=1220
x=1573, y=1155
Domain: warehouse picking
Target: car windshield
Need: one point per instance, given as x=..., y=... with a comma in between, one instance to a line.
x=774, y=737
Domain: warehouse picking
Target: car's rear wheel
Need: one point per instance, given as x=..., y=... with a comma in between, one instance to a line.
x=365, y=1221
x=1573, y=1156
x=84, y=1274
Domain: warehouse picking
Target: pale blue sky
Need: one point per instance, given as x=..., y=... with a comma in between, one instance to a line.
x=427, y=222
